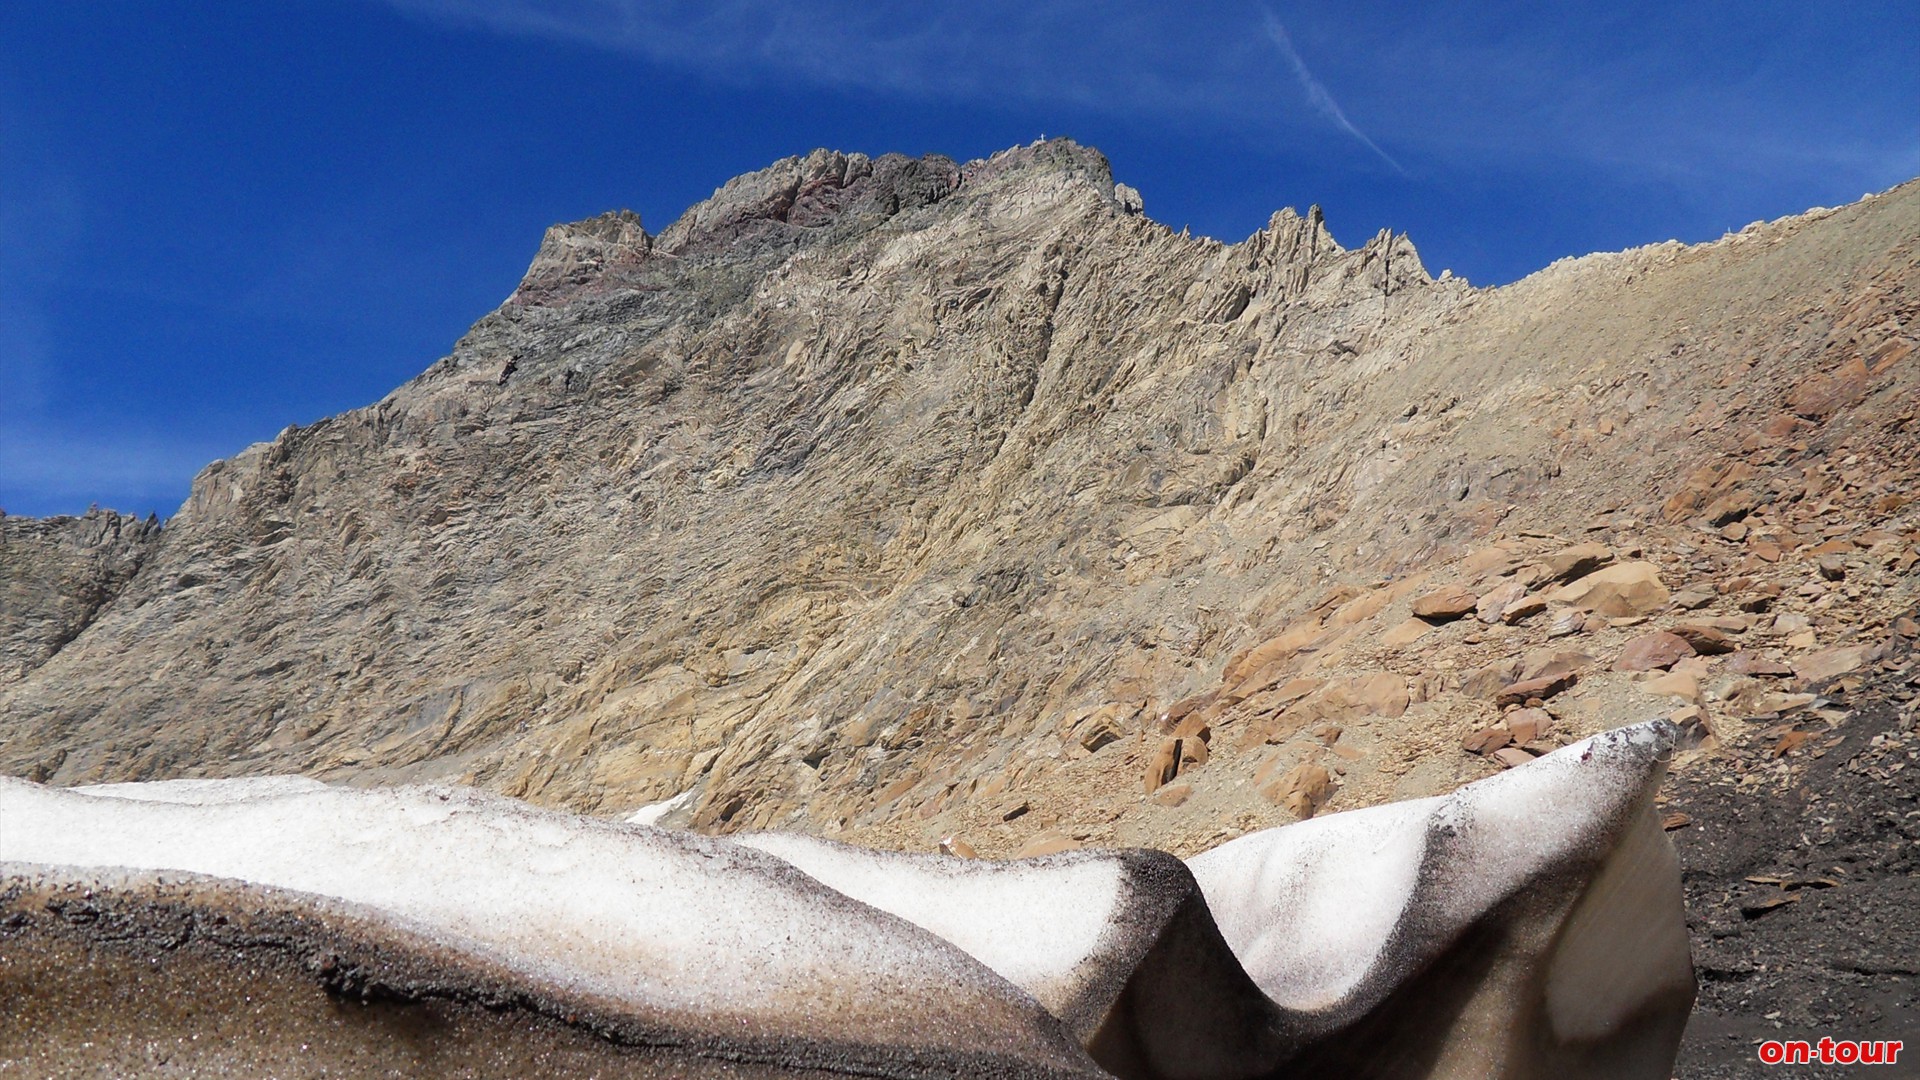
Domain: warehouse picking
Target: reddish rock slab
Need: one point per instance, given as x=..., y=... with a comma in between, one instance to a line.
x=1831, y=663
x=1657, y=650
x=1512, y=756
x=1486, y=740
x=1445, y=605
x=1529, y=725
x=1706, y=640
x=1530, y=689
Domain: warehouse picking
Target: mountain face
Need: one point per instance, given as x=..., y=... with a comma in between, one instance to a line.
x=894, y=499
x=861, y=487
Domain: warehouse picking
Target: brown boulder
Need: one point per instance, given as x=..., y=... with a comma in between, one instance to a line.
x=1512, y=756
x=1193, y=753
x=1102, y=727
x=1706, y=640
x=1487, y=681
x=1731, y=508
x=1302, y=789
x=1649, y=651
x=1523, y=609
x=1405, y=633
x=1486, y=740
x=1529, y=725
x=953, y=845
x=1621, y=591
x=1164, y=766
x=1577, y=561
x=1535, y=689
x=1446, y=604
x=1540, y=663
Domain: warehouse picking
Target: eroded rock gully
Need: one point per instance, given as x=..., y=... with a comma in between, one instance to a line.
x=899, y=499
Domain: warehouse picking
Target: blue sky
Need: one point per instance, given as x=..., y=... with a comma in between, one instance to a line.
x=218, y=219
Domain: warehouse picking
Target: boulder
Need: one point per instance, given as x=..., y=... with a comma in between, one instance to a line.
x=1405, y=633
x=1300, y=789
x=1624, y=590
x=1535, y=689
x=1487, y=740
x=1164, y=766
x=1445, y=605
x=1529, y=725
x=1705, y=640
x=1656, y=650
x=1577, y=561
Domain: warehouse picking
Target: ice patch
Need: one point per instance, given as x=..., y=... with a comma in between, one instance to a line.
x=699, y=929
x=1044, y=926
x=651, y=813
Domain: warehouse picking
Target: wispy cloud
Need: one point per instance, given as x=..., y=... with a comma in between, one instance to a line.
x=1132, y=59
x=1317, y=94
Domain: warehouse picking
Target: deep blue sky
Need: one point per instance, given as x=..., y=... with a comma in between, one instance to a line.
x=217, y=219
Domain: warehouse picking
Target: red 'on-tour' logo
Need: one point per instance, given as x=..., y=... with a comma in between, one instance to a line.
x=1830, y=1052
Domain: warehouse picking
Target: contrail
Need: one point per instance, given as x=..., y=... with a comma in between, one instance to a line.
x=1316, y=93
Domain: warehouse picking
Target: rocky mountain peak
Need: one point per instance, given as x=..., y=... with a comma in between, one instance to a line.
x=583, y=252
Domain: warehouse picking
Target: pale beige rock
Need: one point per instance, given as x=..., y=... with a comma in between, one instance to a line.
x=1302, y=789
x=1381, y=693
x=1674, y=684
x=1164, y=766
x=1625, y=590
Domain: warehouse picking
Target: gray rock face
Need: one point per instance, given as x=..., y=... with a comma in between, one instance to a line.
x=831, y=500
x=55, y=576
